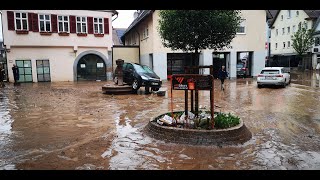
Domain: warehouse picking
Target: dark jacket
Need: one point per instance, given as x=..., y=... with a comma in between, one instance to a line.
x=15, y=71
x=223, y=74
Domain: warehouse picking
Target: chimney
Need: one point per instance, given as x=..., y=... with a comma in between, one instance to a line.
x=135, y=15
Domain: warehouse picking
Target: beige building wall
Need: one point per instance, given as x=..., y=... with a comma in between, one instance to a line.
x=61, y=60
x=36, y=39
x=286, y=37
x=128, y=54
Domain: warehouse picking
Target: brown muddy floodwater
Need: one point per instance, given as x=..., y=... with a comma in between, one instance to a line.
x=71, y=125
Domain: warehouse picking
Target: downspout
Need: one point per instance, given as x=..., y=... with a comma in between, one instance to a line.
x=139, y=45
x=5, y=49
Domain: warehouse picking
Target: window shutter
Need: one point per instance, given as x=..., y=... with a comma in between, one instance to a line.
x=54, y=25
x=106, y=25
x=30, y=22
x=73, y=25
x=35, y=25
x=90, y=25
x=10, y=16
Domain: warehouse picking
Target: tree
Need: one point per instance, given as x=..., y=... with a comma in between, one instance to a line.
x=193, y=30
x=302, y=41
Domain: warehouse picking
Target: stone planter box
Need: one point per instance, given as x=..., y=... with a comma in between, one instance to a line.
x=234, y=135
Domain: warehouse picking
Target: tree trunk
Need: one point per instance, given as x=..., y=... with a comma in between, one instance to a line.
x=195, y=60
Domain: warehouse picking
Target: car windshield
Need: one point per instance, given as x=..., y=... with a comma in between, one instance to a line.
x=240, y=65
x=142, y=69
x=147, y=69
x=270, y=72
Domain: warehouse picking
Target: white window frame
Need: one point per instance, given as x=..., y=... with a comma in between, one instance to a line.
x=284, y=45
x=305, y=24
x=277, y=32
x=44, y=20
x=289, y=44
x=283, y=31
x=97, y=23
x=21, y=19
x=288, y=29
x=81, y=24
x=242, y=24
x=276, y=45
x=281, y=17
x=294, y=28
x=63, y=21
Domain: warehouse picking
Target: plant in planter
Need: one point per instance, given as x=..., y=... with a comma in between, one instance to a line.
x=223, y=121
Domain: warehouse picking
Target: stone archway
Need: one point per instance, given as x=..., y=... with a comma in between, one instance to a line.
x=90, y=65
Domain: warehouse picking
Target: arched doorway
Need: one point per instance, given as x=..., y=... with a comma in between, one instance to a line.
x=91, y=67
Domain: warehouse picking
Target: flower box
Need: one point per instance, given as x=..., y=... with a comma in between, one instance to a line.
x=45, y=33
x=99, y=35
x=63, y=34
x=22, y=32
x=81, y=34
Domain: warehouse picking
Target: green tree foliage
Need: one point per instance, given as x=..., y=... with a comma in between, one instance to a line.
x=302, y=41
x=193, y=30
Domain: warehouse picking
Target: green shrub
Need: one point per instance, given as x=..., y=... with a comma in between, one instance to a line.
x=223, y=121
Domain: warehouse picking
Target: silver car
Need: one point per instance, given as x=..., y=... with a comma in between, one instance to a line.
x=274, y=76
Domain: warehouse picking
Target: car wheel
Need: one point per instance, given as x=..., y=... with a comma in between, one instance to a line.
x=259, y=86
x=284, y=84
x=135, y=85
x=154, y=89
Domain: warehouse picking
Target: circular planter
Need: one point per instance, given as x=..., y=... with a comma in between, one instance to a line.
x=230, y=136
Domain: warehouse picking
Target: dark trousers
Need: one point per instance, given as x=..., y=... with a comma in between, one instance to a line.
x=222, y=82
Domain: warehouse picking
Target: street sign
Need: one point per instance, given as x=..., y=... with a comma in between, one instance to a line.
x=191, y=82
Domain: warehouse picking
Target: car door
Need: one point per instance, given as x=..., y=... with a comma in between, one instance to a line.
x=130, y=73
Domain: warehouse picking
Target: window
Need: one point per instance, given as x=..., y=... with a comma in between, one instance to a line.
x=288, y=30
x=45, y=22
x=282, y=31
x=277, y=32
x=288, y=44
x=294, y=28
x=299, y=26
x=63, y=23
x=284, y=45
x=81, y=24
x=43, y=71
x=98, y=25
x=289, y=14
x=317, y=41
x=145, y=32
x=297, y=13
x=21, y=21
x=99, y=65
x=276, y=45
x=242, y=27
x=306, y=25
x=281, y=17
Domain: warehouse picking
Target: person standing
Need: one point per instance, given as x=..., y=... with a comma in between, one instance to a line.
x=222, y=76
x=15, y=71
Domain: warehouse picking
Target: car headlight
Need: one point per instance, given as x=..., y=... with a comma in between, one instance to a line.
x=144, y=77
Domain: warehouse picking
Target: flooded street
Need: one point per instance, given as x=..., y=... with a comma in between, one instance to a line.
x=69, y=125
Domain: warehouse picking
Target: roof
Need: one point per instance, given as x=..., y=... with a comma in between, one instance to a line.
x=313, y=14
x=114, y=12
x=137, y=20
x=116, y=35
x=271, y=14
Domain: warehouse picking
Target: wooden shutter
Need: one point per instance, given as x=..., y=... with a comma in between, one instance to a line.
x=73, y=25
x=35, y=23
x=90, y=25
x=30, y=21
x=54, y=26
x=10, y=16
x=106, y=25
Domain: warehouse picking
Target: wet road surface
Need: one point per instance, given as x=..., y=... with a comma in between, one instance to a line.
x=69, y=125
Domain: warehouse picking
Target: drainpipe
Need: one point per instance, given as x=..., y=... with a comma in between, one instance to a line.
x=5, y=49
x=139, y=45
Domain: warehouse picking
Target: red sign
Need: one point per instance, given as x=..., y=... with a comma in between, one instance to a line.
x=191, y=82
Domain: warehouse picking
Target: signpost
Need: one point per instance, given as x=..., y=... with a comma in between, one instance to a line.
x=193, y=82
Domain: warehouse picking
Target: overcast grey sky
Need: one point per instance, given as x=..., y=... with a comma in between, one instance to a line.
x=123, y=21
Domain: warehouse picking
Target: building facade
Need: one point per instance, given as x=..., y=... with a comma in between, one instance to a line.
x=58, y=45
x=283, y=27
x=316, y=46
x=248, y=45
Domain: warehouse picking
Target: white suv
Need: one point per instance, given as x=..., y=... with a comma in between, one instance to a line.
x=274, y=76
